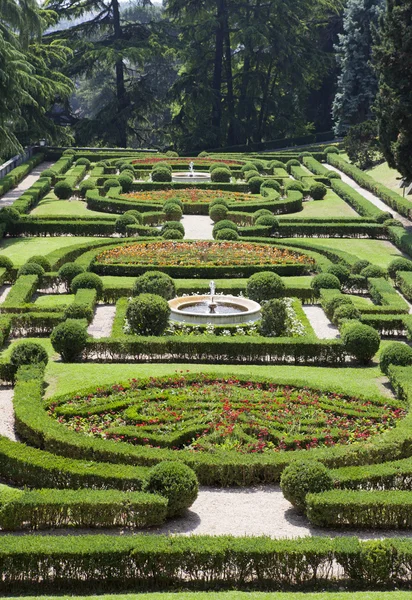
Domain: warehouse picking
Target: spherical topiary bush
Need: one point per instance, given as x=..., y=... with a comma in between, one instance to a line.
x=126, y=167
x=6, y=262
x=260, y=213
x=333, y=303
x=155, y=282
x=341, y=272
x=161, y=174
x=83, y=161
x=122, y=222
x=302, y=477
x=89, y=281
x=176, y=482
x=395, y=354
x=270, y=184
x=101, y=163
x=248, y=167
x=79, y=311
x=172, y=211
x=361, y=341
x=175, y=200
x=249, y=174
x=276, y=164
x=254, y=184
x=373, y=271
x=85, y=186
x=325, y=281
x=69, y=152
x=345, y=312
x=218, y=212
x=9, y=215
x=226, y=234
x=220, y=175
x=359, y=265
x=68, y=272
x=267, y=221
x=399, y=264
x=292, y=163
x=173, y=225
x=259, y=164
x=27, y=353
x=173, y=234
x=163, y=165
x=293, y=186
x=225, y=224
x=69, y=339
x=126, y=182
x=110, y=183
x=172, y=154
x=265, y=286
x=49, y=173
x=303, y=154
x=318, y=191
x=331, y=150
x=40, y=260
x=219, y=201
x=31, y=269
x=273, y=322
x=135, y=214
x=148, y=314
x=63, y=190
x=215, y=166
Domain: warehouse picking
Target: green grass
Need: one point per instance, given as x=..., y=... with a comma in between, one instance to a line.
x=66, y=378
x=45, y=342
x=234, y=596
x=331, y=206
x=389, y=177
x=53, y=300
x=21, y=249
x=51, y=205
x=378, y=252
x=113, y=282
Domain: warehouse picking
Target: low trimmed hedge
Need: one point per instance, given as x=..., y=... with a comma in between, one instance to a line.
x=19, y=173
x=384, y=294
x=20, y=293
x=355, y=200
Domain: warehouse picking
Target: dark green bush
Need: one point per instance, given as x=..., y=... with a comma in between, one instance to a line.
x=161, y=174
x=304, y=477
x=9, y=215
x=260, y=213
x=361, y=341
x=273, y=322
x=173, y=234
x=331, y=150
x=399, y=264
x=172, y=211
x=215, y=166
x=172, y=154
x=27, y=353
x=259, y=164
x=110, y=183
x=163, y=165
x=303, y=154
x=293, y=185
x=79, y=311
x=276, y=164
x=373, y=271
x=123, y=221
x=83, y=161
x=125, y=182
x=318, y=191
x=345, y=312
x=359, y=265
x=333, y=303
x=63, y=190
x=69, y=152
x=265, y=286
x=341, y=272
x=218, y=212
x=271, y=184
x=176, y=482
x=292, y=163
x=126, y=167
x=254, y=184
x=248, y=167
x=69, y=339
x=175, y=201
x=325, y=281
x=31, y=269
x=40, y=260
x=226, y=234
x=135, y=214
x=220, y=175
x=268, y=221
x=148, y=314
x=334, y=175
x=219, y=201
x=85, y=186
x=5, y=262
x=173, y=225
x=68, y=272
x=89, y=281
x=398, y=354
x=225, y=224
x=249, y=174
x=155, y=282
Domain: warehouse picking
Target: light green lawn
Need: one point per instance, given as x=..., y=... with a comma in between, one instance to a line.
x=65, y=378
x=331, y=206
x=53, y=300
x=234, y=596
x=45, y=342
x=389, y=177
x=113, y=282
x=378, y=252
x=51, y=205
x=21, y=249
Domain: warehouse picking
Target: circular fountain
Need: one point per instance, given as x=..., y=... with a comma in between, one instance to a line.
x=218, y=310
x=190, y=176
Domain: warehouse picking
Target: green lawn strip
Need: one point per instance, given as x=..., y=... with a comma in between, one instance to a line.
x=51, y=206
x=52, y=300
x=389, y=177
x=232, y=596
x=19, y=250
x=45, y=342
x=331, y=206
x=65, y=378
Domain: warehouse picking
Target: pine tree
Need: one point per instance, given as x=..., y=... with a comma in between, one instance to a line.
x=393, y=61
x=357, y=84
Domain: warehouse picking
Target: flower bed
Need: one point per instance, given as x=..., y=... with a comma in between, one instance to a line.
x=151, y=160
x=190, y=196
x=202, y=414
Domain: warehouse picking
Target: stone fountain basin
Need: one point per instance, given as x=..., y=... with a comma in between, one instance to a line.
x=250, y=310
x=185, y=177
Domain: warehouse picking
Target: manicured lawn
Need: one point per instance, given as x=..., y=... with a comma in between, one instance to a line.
x=113, y=282
x=331, y=206
x=234, y=596
x=389, y=177
x=45, y=342
x=53, y=300
x=51, y=205
x=20, y=249
x=63, y=378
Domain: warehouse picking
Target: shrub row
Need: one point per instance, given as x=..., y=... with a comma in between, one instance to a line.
x=383, y=293
x=21, y=292
x=355, y=200
x=31, y=196
x=19, y=173
x=387, y=325
x=314, y=229
x=404, y=282
x=34, y=323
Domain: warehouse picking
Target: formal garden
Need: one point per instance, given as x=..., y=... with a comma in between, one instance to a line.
x=206, y=376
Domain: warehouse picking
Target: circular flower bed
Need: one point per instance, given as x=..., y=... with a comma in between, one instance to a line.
x=201, y=413
x=189, y=196
x=150, y=160
x=202, y=252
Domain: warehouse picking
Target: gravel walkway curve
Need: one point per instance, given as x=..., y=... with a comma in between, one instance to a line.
x=24, y=185
x=102, y=324
x=197, y=227
x=7, y=412
x=323, y=328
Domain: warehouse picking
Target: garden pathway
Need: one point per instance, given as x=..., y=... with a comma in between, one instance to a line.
x=7, y=412
x=102, y=323
x=4, y=292
x=323, y=328
x=24, y=185
x=197, y=227
x=369, y=196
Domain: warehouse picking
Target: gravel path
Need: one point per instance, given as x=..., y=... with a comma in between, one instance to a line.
x=24, y=185
x=197, y=227
x=369, y=196
x=4, y=292
x=7, y=412
x=323, y=328
x=102, y=324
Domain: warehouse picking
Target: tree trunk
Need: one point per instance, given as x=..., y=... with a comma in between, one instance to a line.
x=217, y=72
x=120, y=85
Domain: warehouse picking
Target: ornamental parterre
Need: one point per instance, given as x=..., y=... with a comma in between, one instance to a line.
x=201, y=413
x=204, y=252
x=189, y=196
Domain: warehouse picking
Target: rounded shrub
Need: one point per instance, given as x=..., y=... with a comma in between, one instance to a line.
x=226, y=234
x=148, y=314
x=265, y=286
x=49, y=173
x=214, y=166
x=111, y=183
x=63, y=190
x=68, y=272
x=85, y=186
x=126, y=182
x=303, y=154
x=254, y=184
x=40, y=260
x=123, y=221
x=359, y=265
x=274, y=315
x=248, y=167
x=262, y=212
x=79, y=311
x=340, y=271
x=325, y=281
x=27, y=353
x=219, y=201
x=333, y=303
x=294, y=186
x=268, y=221
x=218, y=212
x=89, y=281
x=155, y=282
x=292, y=163
x=31, y=269
x=225, y=224
x=172, y=211
x=69, y=152
x=334, y=175
x=172, y=154
x=117, y=163
x=203, y=154
x=9, y=215
x=399, y=264
x=362, y=341
x=249, y=174
x=175, y=200
x=384, y=216
x=6, y=262
x=271, y=184
x=69, y=339
x=101, y=163
x=83, y=161
x=373, y=271
x=395, y=354
x=173, y=225
x=163, y=165
x=176, y=482
x=331, y=150
x=318, y=191
x=173, y=234
x=135, y=214
x=302, y=477
x=276, y=164
x=346, y=312
x=220, y=175
x=126, y=167
x=259, y=164
x=161, y=174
